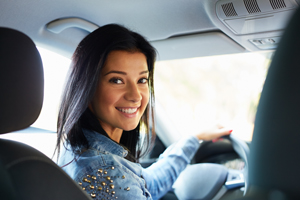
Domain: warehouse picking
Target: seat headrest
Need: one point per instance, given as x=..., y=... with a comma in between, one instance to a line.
x=274, y=158
x=21, y=81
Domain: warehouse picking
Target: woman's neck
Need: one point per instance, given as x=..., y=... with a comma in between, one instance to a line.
x=114, y=133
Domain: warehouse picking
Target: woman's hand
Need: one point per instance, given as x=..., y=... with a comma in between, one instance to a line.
x=213, y=133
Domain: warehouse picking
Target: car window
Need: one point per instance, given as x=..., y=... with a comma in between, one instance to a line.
x=55, y=70
x=197, y=93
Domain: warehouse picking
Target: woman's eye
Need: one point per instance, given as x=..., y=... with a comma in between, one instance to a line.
x=116, y=80
x=143, y=80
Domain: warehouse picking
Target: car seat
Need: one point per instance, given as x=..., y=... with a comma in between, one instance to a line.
x=25, y=172
x=274, y=166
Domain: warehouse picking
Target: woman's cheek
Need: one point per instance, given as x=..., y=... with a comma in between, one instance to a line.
x=145, y=99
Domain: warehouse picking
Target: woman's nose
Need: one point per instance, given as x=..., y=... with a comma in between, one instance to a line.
x=133, y=93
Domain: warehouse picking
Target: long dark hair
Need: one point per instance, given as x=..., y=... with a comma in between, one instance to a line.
x=87, y=62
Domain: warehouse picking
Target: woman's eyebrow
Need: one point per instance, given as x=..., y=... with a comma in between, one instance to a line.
x=117, y=72
x=144, y=72
x=124, y=73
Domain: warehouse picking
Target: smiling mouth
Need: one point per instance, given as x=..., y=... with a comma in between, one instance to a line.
x=128, y=110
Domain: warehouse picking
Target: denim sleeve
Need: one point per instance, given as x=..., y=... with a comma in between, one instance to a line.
x=161, y=175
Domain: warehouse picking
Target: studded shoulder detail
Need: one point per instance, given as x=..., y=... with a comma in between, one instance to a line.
x=106, y=183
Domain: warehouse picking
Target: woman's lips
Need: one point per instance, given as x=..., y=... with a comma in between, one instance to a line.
x=129, y=111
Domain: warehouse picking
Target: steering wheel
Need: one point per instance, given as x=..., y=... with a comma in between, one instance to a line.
x=242, y=149
x=210, y=181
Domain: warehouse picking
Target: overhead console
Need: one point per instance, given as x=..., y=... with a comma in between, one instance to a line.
x=251, y=17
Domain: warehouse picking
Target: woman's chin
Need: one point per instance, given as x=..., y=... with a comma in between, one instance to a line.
x=130, y=127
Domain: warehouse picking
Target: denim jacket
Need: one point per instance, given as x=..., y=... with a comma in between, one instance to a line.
x=104, y=173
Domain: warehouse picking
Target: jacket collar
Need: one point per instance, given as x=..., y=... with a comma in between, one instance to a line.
x=104, y=144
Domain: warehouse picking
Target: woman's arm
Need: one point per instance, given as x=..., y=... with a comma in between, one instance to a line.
x=161, y=175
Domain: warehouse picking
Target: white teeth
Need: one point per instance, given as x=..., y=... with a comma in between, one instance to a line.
x=128, y=111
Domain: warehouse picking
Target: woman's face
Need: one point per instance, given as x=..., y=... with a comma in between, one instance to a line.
x=122, y=94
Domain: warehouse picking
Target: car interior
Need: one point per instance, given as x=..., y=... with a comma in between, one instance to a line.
x=178, y=30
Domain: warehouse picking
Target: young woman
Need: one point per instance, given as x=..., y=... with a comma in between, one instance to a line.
x=104, y=120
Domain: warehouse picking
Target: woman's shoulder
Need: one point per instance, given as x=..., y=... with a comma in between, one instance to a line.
x=111, y=181
x=89, y=160
x=104, y=174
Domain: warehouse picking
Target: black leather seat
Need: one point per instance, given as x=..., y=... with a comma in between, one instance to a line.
x=25, y=172
x=274, y=170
